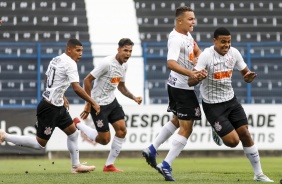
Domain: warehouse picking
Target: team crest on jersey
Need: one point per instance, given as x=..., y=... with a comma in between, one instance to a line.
x=48, y=131
x=217, y=126
x=99, y=123
x=230, y=63
x=197, y=112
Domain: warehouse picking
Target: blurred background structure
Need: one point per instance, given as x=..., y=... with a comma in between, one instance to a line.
x=34, y=31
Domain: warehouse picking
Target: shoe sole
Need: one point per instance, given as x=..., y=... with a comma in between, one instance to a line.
x=80, y=172
x=112, y=171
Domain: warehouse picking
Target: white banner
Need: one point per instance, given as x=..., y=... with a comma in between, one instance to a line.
x=144, y=122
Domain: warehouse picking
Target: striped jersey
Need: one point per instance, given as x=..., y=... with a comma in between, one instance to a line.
x=180, y=49
x=61, y=72
x=217, y=87
x=108, y=73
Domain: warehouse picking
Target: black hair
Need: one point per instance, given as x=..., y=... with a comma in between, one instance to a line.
x=125, y=41
x=182, y=9
x=221, y=31
x=73, y=43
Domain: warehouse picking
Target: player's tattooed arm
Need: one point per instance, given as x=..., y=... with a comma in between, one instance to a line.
x=122, y=88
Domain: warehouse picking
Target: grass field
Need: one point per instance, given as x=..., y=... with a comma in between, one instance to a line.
x=185, y=170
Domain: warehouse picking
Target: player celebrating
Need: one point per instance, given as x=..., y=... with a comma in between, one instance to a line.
x=107, y=76
x=52, y=110
x=222, y=109
x=183, y=103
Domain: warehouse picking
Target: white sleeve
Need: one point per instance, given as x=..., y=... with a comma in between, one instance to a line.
x=240, y=63
x=100, y=69
x=173, y=45
x=202, y=60
x=72, y=72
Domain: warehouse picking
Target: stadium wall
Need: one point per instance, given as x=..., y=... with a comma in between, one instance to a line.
x=108, y=22
x=144, y=122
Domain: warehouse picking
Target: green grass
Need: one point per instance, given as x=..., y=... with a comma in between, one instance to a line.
x=185, y=170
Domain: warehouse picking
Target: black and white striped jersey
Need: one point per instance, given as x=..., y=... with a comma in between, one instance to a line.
x=217, y=87
x=180, y=49
x=61, y=72
x=108, y=73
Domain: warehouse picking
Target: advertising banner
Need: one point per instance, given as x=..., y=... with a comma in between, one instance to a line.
x=144, y=122
x=18, y=122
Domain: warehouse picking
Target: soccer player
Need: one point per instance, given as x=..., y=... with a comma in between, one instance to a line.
x=108, y=75
x=52, y=110
x=183, y=103
x=222, y=109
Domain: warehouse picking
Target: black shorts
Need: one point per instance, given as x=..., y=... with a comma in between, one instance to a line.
x=50, y=116
x=183, y=103
x=108, y=114
x=225, y=116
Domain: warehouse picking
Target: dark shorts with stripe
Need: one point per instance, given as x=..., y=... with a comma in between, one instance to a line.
x=50, y=116
x=225, y=116
x=183, y=103
x=108, y=114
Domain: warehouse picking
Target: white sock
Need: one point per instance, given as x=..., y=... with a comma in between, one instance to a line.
x=178, y=143
x=166, y=131
x=115, y=150
x=25, y=141
x=91, y=133
x=253, y=155
x=73, y=147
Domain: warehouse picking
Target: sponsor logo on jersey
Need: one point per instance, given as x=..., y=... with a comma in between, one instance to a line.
x=222, y=74
x=115, y=80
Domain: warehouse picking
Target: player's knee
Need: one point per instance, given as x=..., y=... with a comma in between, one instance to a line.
x=103, y=138
x=121, y=133
x=232, y=143
x=104, y=141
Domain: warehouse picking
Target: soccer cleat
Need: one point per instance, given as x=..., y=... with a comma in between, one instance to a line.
x=150, y=157
x=262, y=178
x=165, y=171
x=2, y=136
x=81, y=168
x=111, y=168
x=216, y=138
x=75, y=121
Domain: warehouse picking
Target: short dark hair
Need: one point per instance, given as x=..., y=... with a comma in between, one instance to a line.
x=221, y=31
x=73, y=43
x=125, y=41
x=182, y=9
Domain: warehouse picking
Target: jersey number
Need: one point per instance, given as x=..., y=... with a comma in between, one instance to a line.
x=51, y=76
